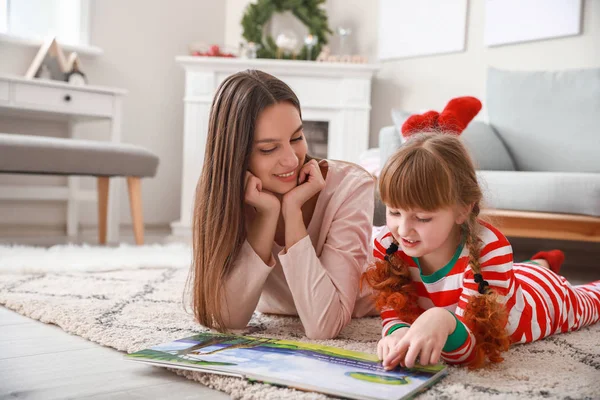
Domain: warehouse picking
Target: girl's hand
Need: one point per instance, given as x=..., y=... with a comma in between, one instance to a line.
x=389, y=343
x=262, y=200
x=425, y=340
x=310, y=182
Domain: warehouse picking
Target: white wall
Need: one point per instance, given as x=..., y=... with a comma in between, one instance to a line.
x=140, y=40
x=234, y=11
x=429, y=82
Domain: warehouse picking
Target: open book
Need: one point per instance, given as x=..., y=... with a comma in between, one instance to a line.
x=302, y=366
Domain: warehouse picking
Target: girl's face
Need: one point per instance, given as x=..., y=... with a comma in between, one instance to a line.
x=279, y=148
x=421, y=233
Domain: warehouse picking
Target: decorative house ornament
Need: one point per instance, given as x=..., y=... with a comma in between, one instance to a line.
x=75, y=76
x=49, y=62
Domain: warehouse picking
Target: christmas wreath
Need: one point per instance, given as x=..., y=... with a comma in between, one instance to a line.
x=309, y=12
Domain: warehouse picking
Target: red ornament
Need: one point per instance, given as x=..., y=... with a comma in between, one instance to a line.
x=213, y=51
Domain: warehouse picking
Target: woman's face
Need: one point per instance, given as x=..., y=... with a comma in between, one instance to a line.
x=279, y=148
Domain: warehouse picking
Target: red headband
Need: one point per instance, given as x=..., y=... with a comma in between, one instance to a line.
x=454, y=119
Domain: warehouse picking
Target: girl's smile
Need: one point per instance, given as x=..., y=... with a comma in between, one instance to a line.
x=409, y=243
x=430, y=236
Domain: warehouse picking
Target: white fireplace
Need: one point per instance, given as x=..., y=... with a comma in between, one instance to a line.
x=334, y=93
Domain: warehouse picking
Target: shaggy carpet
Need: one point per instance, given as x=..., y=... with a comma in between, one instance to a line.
x=130, y=298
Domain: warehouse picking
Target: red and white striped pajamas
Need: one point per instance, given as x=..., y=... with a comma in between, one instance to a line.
x=539, y=302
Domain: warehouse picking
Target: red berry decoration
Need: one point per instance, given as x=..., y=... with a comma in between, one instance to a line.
x=214, y=51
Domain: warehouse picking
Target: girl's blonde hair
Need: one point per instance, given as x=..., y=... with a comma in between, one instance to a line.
x=432, y=171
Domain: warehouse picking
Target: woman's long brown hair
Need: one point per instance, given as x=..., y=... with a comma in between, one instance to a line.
x=429, y=172
x=219, y=225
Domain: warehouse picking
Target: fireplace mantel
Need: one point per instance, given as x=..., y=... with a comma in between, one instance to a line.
x=337, y=93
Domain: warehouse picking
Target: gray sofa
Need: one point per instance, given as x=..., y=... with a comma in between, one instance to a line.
x=538, y=158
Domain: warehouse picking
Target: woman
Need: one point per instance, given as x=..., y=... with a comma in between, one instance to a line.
x=274, y=229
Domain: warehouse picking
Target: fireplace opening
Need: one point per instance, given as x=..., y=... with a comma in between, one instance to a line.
x=316, y=133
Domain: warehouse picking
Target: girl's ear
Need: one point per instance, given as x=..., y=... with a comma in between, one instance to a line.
x=463, y=213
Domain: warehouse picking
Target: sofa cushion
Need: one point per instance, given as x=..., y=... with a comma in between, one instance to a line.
x=486, y=148
x=399, y=117
x=389, y=142
x=549, y=121
x=483, y=143
x=555, y=192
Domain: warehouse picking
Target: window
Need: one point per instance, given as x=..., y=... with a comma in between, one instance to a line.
x=68, y=20
x=3, y=15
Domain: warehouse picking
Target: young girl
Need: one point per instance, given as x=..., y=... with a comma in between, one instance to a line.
x=445, y=281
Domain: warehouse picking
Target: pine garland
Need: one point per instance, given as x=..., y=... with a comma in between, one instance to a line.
x=309, y=12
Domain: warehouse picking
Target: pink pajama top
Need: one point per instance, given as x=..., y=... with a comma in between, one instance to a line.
x=317, y=278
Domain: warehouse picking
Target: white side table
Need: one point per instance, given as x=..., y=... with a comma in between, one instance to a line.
x=42, y=99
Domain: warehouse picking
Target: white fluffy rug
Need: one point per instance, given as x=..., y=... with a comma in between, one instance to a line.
x=130, y=298
x=71, y=258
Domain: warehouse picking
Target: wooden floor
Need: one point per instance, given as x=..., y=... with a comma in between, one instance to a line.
x=40, y=361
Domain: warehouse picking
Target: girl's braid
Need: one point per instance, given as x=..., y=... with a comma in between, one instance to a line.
x=391, y=280
x=473, y=243
x=485, y=315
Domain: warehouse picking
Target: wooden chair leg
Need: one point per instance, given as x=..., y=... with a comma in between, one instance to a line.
x=134, y=184
x=103, y=182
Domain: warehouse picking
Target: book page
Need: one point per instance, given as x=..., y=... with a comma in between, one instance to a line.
x=302, y=365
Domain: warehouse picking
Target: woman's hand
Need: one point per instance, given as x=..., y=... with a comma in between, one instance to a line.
x=261, y=229
x=425, y=339
x=263, y=201
x=310, y=182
